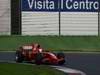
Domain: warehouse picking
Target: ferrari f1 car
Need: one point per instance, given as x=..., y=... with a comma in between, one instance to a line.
x=33, y=53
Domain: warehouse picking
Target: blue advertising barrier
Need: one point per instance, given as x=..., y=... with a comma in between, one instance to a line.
x=61, y=5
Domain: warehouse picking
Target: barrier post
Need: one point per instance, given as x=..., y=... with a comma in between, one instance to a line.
x=15, y=17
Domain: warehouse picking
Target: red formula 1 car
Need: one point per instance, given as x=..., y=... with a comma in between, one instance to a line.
x=33, y=53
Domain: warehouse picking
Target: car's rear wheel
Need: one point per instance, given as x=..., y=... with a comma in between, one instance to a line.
x=19, y=57
x=38, y=58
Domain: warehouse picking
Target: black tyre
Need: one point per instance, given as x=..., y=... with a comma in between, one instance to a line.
x=62, y=57
x=61, y=62
x=38, y=58
x=19, y=57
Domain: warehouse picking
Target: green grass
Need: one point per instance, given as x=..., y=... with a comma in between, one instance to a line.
x=20, y=69
x=68, y=43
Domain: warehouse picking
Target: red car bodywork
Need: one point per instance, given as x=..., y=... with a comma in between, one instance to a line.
x=27, y=53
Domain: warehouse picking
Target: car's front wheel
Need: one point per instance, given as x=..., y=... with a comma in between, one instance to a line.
x=61, y=62
x=61, y=58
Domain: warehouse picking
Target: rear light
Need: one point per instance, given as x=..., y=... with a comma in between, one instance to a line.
x=23, y=53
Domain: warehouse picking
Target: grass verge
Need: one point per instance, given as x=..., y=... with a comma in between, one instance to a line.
x=20, y=69
x=66, y=43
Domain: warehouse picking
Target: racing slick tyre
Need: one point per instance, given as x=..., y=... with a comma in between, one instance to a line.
x=61, y=62
x=38, y=58
x=61, y=56
x=19, y=57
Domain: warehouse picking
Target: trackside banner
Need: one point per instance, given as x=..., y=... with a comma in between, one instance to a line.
x=61, y=5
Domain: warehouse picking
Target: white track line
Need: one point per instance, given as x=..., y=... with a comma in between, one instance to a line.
x=69, y=70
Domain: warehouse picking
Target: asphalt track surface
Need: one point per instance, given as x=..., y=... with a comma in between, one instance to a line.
x=86, y=62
